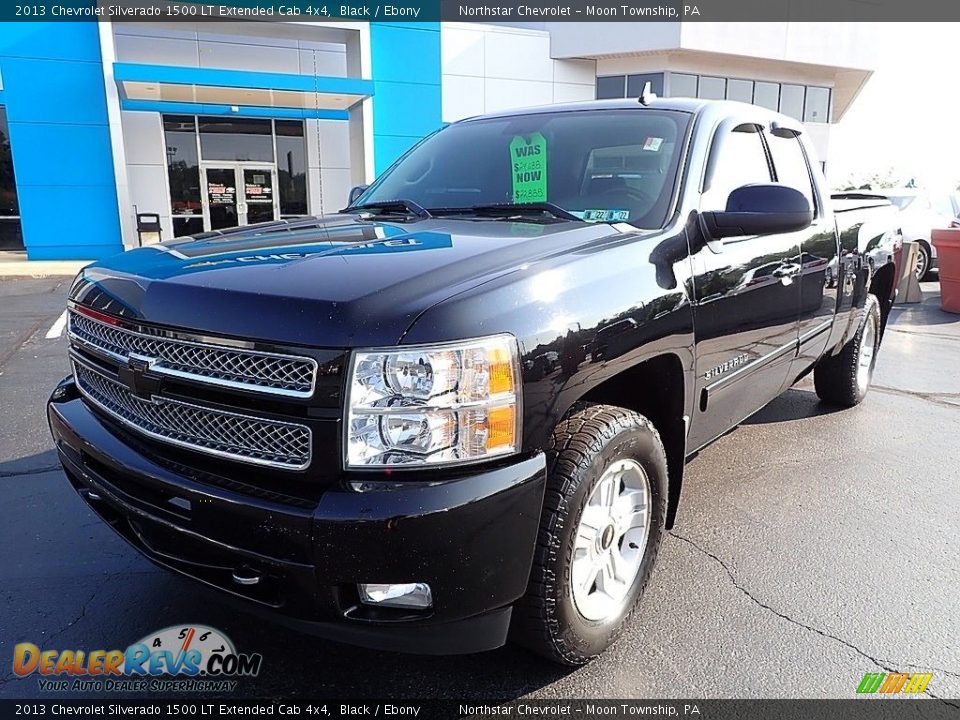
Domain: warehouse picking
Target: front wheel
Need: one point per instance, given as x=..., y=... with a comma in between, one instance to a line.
x=923, y=261
x=844, y=379
x=600, y=531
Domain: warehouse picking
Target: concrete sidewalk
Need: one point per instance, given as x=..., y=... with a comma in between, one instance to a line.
x=16, y=265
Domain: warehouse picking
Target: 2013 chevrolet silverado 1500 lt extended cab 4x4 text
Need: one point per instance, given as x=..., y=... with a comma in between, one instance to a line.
x=459, y=409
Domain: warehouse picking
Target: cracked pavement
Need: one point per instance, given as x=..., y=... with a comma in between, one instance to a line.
x=813, y=546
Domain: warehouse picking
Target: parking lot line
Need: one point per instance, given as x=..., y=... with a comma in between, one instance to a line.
x=56, y=330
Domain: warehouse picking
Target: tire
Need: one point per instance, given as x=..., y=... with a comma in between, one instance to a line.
x=593, y=443
x=923, y=261
x=844, y=379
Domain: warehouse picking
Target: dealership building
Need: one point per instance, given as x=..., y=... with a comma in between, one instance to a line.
x=106, y=128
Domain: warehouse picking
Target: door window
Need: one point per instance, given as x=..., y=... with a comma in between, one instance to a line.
x=258, y=194
x=222, y=198
x=739, y=159
x=790, y=165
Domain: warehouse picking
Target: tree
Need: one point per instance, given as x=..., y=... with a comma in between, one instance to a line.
x=878, y=180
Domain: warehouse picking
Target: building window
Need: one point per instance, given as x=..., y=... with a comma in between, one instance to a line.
x=740, y=90
x=611, y=86
x=791, y=100
x=817, y=107
x=241, y=139
x=635, y=84
x=291, y=168
x=767, y=94
x=183, y=174
x=683, y=85
x=712, y=88
x=11, y=237
x=806, y=103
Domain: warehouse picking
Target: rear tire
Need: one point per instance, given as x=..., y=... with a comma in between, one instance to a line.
x=844, y=379
x=600, y=532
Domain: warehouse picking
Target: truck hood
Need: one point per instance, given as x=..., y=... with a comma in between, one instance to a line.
x=341, y=281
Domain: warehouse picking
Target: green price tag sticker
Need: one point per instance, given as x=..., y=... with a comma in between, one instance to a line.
x=528, y=165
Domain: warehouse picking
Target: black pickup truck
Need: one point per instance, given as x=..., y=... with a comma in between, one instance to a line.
x=458, y=411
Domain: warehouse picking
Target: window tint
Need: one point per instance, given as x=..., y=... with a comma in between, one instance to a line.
x=738, y=158
x=791, y=165
x=610, y=87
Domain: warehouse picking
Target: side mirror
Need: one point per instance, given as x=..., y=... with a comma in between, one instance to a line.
x=761, y=209
x=356, y=192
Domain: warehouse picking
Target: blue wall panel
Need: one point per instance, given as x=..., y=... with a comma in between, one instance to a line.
x=56, y=107
x=406, y=79
x=71, y=219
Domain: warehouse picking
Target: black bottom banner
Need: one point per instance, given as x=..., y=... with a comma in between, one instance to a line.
x=858, y=709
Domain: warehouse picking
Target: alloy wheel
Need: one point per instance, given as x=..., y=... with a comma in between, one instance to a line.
x=610, y=541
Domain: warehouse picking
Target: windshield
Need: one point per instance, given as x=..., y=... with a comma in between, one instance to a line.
x=600, y=165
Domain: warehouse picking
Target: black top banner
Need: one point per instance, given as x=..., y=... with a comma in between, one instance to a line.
x=485, y=10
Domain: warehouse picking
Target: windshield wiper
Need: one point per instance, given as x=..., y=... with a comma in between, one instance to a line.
x=508, y=210
x=407, y=207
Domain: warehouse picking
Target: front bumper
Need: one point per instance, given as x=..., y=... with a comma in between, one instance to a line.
x=471, y=539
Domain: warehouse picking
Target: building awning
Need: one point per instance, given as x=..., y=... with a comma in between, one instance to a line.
x=175, y=89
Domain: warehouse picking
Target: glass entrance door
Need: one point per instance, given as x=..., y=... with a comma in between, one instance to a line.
x=220, y=198
x=238, y=194
x=258, y=195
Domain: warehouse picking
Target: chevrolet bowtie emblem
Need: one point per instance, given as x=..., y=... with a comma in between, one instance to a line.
x=134, y=374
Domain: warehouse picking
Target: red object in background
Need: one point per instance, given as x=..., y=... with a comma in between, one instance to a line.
x=947, y=243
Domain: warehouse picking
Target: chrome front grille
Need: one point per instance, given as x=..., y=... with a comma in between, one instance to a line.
x=207, y=362
x=204, y=429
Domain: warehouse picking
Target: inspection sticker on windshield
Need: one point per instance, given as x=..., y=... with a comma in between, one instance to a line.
x=528, y=165
x=652, y=143
x=610, y=215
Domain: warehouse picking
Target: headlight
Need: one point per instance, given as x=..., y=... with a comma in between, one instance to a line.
x=433, y=405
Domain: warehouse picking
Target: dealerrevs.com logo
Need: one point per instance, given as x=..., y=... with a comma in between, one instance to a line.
x=177, y=658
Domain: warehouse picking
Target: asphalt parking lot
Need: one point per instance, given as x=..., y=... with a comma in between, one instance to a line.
x=813, y=546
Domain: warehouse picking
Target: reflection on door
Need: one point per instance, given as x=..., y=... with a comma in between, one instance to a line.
x=239, y=195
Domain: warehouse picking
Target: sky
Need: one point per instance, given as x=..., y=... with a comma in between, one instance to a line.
x=907, y=116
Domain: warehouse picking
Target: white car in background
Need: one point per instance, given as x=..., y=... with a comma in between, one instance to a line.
x=920, y=213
